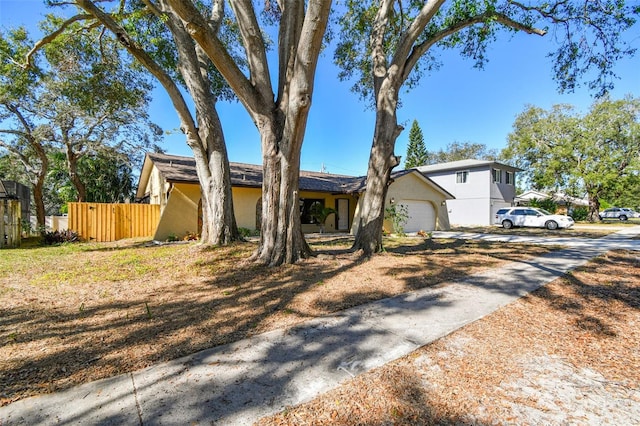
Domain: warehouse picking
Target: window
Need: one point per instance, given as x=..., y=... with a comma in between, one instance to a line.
x=306, y=205
x=462, y=177
x=497, y=175
x=508, y=178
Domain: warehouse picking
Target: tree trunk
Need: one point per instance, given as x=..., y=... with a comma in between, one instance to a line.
x=218, y=218
x=281, y=237
x=381, y=161
x=594, y=208
x=72, y=167
x=38, y=199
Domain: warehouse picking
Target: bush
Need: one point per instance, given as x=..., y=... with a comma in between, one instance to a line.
x=59, y=237
x=579, y=213
x=547, y=204
x=398, y=214
x=246, y=232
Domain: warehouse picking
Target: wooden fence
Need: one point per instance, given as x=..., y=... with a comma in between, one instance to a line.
x=110, y=222
x=10, y=223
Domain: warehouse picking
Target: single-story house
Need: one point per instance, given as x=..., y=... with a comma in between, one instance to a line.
x=479, y=187
x=171, y=181
x=565, y=203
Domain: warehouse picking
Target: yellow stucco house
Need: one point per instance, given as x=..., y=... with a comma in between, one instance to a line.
x=171, y=181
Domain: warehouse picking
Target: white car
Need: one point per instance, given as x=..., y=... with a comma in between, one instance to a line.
x=618, y=213
x=531, y=217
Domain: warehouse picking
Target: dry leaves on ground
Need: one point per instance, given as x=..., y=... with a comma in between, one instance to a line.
x=566, y=354
x=74, y=314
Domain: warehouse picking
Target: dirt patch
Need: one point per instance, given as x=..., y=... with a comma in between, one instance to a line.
x=566, y=354
x=78, y=313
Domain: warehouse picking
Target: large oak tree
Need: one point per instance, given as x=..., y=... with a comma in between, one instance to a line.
x=597, y=154
x=389, y=44
x=156, y=37
x=278, y=104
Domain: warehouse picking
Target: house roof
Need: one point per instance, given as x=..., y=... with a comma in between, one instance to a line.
x=402, y=173
x=558, y=197
x=180, y=169
x=464, y=164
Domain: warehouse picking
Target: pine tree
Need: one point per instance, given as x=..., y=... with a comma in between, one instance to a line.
x=417, y=154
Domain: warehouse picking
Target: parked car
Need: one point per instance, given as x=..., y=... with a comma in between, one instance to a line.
x=531, y=217
x=620, y=213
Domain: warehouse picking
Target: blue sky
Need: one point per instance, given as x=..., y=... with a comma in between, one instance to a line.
x=456, y=103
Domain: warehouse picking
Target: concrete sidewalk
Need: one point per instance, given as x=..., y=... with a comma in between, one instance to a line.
x=244, y=381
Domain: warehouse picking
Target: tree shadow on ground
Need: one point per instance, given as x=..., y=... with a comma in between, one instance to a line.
x=607, y=280
x=190, y=316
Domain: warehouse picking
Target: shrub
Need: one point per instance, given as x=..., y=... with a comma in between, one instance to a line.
x=398, y=214
x=59, y=237
x=246, y=232
x=579, y=213
x=547, y=204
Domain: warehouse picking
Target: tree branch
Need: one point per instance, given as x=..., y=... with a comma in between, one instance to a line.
x=501, y=18
x=50, y=37
x=202, y=33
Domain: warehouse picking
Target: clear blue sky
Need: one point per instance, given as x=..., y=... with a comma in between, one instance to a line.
x=456, y=103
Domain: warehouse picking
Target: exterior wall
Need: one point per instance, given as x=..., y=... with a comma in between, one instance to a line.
x=411, y=188
x=479, y=198
x=330, y=200
x=503, y=191
x=157, y=189
x=476, y=187
x=245, y=201
x=474, y=211
x=180, y=213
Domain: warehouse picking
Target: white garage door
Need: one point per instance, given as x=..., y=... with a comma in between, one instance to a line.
x=422, y=216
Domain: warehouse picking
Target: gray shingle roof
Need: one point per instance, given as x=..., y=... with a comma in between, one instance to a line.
x=176, y=168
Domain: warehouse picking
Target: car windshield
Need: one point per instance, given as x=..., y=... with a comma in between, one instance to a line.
x=543, y=211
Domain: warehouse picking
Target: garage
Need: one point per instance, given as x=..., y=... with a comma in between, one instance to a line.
x=422, y=216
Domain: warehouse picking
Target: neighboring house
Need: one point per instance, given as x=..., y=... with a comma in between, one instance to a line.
x=480, y=188
x=171, y=181
x=565, y=202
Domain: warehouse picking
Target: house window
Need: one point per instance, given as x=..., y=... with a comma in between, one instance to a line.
x=306, y=206
x=508, y=178
x=497, y=175
x=462, y=177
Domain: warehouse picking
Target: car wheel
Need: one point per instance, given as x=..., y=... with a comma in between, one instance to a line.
x=507, y=224
x=552, y=225
x=623, y=217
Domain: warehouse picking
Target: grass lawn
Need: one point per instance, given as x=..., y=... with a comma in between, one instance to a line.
x=75, y=313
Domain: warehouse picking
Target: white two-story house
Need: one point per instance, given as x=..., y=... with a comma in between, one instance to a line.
x=480, y=188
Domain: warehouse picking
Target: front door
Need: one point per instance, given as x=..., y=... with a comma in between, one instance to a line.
x=343, y=214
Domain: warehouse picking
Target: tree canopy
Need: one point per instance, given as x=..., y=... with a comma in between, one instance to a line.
x=72, y=97
x=596, y=154
x=456, y=151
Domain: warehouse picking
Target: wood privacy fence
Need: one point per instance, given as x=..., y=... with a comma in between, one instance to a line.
x=110, y=222
x=10, y=223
